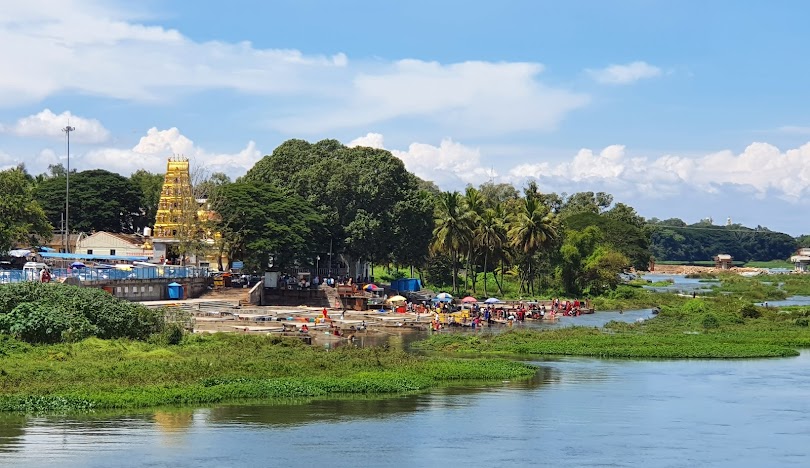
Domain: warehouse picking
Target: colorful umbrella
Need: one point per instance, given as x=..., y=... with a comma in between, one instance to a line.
x=444, y=296
x=469, y=300
x=371, y=287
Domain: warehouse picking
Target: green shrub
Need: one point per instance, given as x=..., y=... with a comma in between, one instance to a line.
x=802, y=322
x=624, y=292
x=710, y=321
x=750, y=311
x=694, y=307
x=54, y=312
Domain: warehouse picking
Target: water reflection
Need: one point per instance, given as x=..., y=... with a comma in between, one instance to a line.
x=575, y=412
x=679, y=283
x=11, y=431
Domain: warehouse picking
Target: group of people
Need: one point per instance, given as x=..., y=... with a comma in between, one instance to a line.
x=569, y=308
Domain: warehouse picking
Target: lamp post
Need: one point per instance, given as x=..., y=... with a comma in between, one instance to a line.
x=67, y=131
x=317, y=264
x=330, y=258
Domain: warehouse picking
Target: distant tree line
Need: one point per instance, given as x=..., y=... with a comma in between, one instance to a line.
x=674, y=240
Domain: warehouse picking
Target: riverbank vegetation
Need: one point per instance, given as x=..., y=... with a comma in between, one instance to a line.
x=53, y=312
x=701, y=328
x=202, y=369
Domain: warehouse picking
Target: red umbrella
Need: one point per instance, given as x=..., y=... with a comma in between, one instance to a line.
x=469, y=300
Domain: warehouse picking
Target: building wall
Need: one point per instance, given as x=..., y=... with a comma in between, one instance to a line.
x=152, y=289
x=102, y=243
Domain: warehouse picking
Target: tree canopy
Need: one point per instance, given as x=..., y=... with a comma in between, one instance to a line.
x=373, y=207
x=99, y=201
x=261, y=222
x=21, y=217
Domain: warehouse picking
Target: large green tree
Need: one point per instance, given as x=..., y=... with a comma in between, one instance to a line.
x=22, y=219
x=621, y=229
x=364, y=195
x=261, y=221
x=99, y=201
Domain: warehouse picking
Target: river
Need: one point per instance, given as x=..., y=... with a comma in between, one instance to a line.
x=575, y=412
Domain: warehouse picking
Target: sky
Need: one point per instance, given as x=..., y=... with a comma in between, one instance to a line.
x=687, y=109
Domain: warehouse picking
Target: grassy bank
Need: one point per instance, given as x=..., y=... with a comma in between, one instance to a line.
x=98, y=373
x=697, y=329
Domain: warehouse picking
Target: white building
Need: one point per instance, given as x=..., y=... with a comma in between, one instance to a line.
x=108, y=243
x=801, y=261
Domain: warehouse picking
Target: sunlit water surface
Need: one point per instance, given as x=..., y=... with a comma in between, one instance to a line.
x=576, y=412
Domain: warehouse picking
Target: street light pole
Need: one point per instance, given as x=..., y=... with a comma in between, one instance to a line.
x=330, y=257
x=67, y=131
x=317, y=264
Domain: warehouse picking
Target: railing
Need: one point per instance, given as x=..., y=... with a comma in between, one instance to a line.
x=90, y=274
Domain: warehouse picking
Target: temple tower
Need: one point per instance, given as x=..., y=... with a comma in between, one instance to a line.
x=177, y=209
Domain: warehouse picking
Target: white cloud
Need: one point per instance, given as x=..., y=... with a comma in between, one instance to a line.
x=151, y=153
x=761, y=169
x=46, y=124
x=794, y=130
x=370, y=140
x=450, y=165
x=472, y=97
x=101, y=51
x=154, y=149
x=625, y=74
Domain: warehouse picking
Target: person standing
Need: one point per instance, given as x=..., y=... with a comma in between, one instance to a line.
x=44, y=276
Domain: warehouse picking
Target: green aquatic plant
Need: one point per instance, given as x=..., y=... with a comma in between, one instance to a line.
x=96, y=373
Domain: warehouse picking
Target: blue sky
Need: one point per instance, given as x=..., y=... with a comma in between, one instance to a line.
x=680, y=109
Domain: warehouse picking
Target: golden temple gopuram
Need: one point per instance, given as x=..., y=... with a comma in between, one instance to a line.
x=177, y=204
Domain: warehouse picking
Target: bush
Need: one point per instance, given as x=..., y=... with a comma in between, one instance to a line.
x=750, y=311
x=54, y=312
x=624, y=292
x=710, y=321
x=695, y=307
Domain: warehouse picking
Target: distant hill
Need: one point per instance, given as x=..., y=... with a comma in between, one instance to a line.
x=674, y=240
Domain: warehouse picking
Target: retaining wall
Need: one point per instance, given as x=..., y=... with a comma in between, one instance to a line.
x=150, y=289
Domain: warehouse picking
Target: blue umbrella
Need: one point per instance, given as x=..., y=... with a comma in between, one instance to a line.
x=77, y=265
x=492, y=300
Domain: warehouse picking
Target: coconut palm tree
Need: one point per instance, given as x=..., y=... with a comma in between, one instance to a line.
x=490, y=236
x=530, y=230
x=474, y=209
x=452, y=229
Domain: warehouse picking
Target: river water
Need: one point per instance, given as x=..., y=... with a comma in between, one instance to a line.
x=575, y=412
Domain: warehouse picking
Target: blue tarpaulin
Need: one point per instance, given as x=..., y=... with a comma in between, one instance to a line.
x=406, y=284
x=77, y=256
